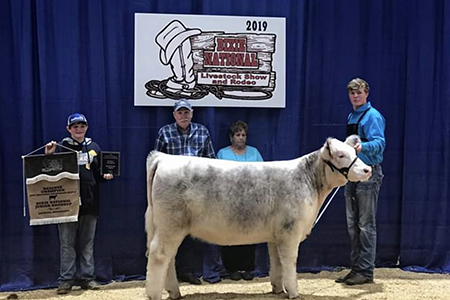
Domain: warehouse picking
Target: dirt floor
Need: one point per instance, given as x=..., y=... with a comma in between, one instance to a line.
x=389, y=284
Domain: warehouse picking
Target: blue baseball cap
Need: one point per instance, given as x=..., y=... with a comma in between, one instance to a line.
x=182, y=103
x=76, y=118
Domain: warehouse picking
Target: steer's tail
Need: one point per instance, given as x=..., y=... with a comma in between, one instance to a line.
x=152, y=163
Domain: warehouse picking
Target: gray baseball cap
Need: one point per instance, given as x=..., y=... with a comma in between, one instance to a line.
x=182, y=103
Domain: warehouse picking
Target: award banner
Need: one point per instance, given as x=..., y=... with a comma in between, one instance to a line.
x=53, y=188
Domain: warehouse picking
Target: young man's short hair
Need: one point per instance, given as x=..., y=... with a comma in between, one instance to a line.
x=358, y=83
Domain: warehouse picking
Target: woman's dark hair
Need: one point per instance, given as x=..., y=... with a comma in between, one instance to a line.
x=238, y=126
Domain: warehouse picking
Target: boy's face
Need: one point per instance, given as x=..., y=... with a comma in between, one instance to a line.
x=77, y=131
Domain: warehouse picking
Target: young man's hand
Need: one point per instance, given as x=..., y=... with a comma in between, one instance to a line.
x=358, y=147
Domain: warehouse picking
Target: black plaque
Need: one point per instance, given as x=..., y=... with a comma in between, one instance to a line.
x=110, y=163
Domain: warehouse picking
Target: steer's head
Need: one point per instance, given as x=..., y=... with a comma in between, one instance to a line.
x=341, y=158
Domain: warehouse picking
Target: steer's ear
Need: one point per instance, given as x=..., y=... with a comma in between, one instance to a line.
x=327, y=150
x=352, y=140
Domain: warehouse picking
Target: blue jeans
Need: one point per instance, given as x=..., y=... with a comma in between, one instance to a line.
x=212, y=263
x=361, y=200
x=77, y=249
x=262, y=261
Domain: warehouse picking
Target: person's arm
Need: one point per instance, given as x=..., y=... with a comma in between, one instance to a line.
x=209, y=149
x=107, y=176
x=97, y=171
x=374, y=131
x=160, y=144
x=258, y=156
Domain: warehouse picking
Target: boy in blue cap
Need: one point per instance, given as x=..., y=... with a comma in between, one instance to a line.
x=77, y=238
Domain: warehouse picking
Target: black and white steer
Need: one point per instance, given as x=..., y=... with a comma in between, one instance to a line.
x=231, y=203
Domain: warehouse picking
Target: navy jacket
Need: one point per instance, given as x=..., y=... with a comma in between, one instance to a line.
x=89, y=166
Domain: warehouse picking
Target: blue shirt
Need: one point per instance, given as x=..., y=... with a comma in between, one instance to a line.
x=371, y=128
x=197, y=142
x=251, y=154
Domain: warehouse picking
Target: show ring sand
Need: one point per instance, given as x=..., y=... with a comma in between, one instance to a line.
x=388, y=284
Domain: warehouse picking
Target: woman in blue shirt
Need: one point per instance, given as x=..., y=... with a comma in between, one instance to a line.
x=239, y=260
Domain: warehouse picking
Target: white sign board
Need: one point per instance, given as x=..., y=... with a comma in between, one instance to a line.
x=210, y=60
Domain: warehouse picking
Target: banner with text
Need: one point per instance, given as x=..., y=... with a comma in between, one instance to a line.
x=53, y=188
x=211, y=60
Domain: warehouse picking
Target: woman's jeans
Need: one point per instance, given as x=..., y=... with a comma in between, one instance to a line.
x=77, y=249
x=361, y=200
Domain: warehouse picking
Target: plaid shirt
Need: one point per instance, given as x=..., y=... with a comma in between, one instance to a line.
x=170, y=140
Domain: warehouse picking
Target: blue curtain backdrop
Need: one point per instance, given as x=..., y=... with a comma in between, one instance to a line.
x=58, y=57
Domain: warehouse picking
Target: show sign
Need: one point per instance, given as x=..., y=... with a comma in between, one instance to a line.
x=53, y=188
x=210, y=60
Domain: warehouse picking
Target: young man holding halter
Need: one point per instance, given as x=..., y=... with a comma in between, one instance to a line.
x=361, y=198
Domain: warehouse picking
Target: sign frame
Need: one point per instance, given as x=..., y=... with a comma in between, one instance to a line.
x=213, y=61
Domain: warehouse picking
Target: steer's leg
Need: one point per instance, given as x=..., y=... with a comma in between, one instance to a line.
x=163, y=248
x=149, y=227
x=288, y=251
x=172, y=286
x=275, y=269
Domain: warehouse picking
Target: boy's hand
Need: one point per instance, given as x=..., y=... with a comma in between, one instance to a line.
x=108, y=176
x=50, y=147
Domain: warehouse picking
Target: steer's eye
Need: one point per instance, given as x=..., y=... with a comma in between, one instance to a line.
x=341, y=156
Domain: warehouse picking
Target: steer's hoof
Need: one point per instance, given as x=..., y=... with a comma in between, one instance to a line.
x=277, y=290
x=174, y=296
x=294, y=296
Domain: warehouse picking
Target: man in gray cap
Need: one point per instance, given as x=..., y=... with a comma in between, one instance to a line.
x=192, y=139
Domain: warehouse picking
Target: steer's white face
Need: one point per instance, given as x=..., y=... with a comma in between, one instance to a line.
x=342, y=155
